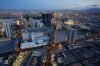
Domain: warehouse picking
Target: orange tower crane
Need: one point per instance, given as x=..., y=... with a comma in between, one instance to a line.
x=51, y=41
x=17, y=48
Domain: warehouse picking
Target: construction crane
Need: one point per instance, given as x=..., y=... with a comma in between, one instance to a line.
x=51, y=41
x=19, y=15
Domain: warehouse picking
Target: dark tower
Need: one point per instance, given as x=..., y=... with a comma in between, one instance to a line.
x=46, y=19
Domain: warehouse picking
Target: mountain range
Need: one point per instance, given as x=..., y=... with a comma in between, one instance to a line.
x=86, y=9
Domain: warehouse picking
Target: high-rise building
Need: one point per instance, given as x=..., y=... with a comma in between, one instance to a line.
x=7, y=29
x=72, y=36
x=1, y=29
x=36, y=23
x=46, y=19
x=24, y=23
x=59, y=25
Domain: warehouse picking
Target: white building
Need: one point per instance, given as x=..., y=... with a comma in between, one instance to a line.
x=31, y=35
x=24, y=22
x=72, y=36
x=39, y=23
x=37, y=41
x=59, y=25
x=36, y=35
x=32, y=22
x=36, y=23
x=7, y=26
x=7, y=29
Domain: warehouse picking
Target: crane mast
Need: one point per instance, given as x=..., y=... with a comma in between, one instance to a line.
x=17, y=48
x=51, y=41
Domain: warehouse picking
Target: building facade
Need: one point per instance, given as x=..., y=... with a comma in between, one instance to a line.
x=72, y=36
x=46, y=19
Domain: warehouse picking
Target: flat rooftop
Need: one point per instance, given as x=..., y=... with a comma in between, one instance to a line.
x=7, y=46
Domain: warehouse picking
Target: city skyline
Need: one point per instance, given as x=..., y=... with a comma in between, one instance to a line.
x=46, y=4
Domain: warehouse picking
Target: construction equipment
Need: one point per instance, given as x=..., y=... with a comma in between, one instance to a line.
x=17, y=48
x=51, y=41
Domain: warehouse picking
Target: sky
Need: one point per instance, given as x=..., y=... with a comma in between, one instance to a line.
x=45, y=4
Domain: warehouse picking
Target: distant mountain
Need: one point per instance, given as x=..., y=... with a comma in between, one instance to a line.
x=93, y=6
x=86, y=9
x=92, y=10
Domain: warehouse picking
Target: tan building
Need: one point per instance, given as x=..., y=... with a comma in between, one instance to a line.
x=1, y=27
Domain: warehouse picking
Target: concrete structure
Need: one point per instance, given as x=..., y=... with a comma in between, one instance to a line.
x=7, y=29
x=39, y=24
x=36, y=23
x=7, y=46
x=68, y=24
x=1, y=29
x=72, y=36
x=32, y=34
x=46, y=19
x=36, y=42
x=6, y=26
x=36, y=35
x=59, y=25
x=82, y=26
x=24, y=23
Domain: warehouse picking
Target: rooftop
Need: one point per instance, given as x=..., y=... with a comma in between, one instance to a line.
x=7, y=46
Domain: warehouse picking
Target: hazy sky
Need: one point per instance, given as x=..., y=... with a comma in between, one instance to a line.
x=45, y=4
